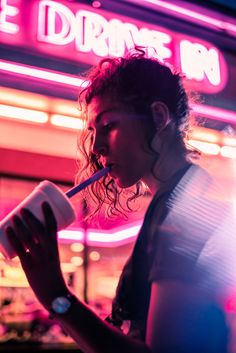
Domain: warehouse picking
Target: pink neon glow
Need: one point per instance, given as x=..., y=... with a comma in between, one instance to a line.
x=39, y=117
x=76, y=235
x=203, y=134
x=100, y=34
x=206, y=62
x=8, y=12
x=28, y=71
x=228, y=151
x=231, y=303
x=230, y=141
x=11, y=112
x=214, y=112
x=103, y=238
x=96, y=4
x=41, y=74
x=70, y=30
x=67, y=121
x=190, y=14
x=213, y=148
x=205, y=147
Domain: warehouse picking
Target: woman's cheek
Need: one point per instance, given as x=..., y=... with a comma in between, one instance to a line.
x=114, y=138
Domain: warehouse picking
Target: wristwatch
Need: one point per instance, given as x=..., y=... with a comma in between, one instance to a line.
x=61, y=305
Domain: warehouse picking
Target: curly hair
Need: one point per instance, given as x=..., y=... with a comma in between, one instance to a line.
x=136, y=81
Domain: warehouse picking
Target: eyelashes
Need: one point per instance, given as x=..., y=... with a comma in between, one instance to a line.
x=104, y=129
x=108, y=126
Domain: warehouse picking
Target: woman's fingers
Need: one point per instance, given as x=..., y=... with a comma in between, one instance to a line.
x=37, y=227
x=49, y=218
x=29, y=235
x=33, y=224
x=36, y=245
x=15, y=242
x=44, y=233
x=25, y=235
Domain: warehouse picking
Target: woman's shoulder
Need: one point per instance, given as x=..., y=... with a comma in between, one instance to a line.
x=197, y=183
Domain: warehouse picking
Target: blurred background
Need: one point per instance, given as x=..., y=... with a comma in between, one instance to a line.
x=45, y=48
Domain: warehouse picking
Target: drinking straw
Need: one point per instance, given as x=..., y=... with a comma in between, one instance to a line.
x=96, y=176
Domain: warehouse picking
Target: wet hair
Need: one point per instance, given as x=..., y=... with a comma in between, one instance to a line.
x=135, y=81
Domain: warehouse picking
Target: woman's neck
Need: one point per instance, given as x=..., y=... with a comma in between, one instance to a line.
x=163, y=170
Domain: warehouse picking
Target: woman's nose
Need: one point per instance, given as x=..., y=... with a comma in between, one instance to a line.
x=99, y=146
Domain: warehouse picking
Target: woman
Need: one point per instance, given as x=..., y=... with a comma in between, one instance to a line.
x=137, y=111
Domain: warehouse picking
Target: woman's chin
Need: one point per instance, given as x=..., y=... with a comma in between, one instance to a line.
x=124, y=184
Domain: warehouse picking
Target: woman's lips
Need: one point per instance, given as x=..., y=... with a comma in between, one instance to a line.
x=112, y=167
x=109, y=165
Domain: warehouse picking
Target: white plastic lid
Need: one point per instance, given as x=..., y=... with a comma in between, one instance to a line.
x=60, y=201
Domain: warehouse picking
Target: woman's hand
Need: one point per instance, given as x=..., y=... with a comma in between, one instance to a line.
x=36, y=245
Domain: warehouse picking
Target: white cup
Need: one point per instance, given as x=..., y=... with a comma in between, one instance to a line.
x=44, y=191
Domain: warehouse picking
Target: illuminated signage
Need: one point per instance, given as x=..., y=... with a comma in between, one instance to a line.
x=77, y=32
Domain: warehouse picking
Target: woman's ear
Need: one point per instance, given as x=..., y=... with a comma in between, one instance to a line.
x=161, y=115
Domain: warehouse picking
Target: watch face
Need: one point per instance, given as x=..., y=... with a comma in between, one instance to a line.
x=61, y=305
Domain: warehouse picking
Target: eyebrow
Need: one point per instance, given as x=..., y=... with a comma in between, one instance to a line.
x=99, y=117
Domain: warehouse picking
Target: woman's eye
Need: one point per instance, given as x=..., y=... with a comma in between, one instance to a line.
x=109, y=126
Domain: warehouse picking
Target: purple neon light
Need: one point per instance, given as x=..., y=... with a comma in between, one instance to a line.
x=214, y=112
x=208, y=21
x=42, y=74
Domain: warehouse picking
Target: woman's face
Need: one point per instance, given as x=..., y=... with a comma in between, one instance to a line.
x=120, y=138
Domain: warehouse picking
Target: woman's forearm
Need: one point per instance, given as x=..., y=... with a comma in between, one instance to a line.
x=93, y=335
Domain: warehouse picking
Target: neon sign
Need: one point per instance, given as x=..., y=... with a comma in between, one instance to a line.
x=75, y=31
x=7, y=14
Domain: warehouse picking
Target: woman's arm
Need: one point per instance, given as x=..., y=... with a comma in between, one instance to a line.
x=94, y=335
x=36, y=245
